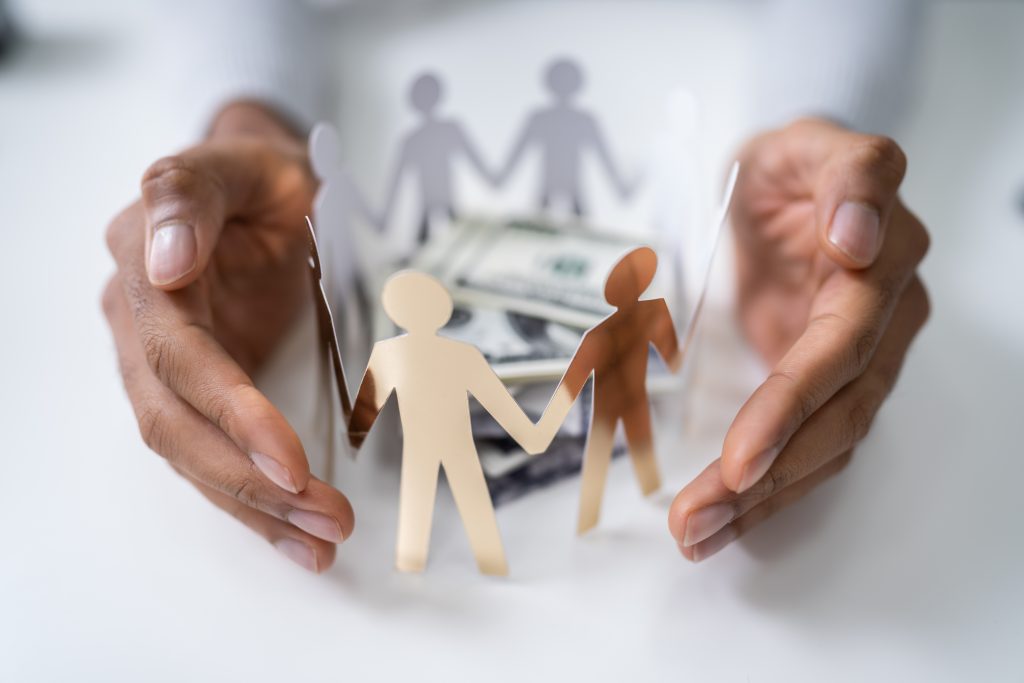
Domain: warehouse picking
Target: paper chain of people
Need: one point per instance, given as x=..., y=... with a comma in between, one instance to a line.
x=432, y=378
x=561, y=131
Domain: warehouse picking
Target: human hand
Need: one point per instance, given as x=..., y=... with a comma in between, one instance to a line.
x=829, y=295
x=211, y=272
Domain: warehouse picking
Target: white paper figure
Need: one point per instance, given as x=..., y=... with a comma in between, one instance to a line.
x=427, y=152
x=563, y=132
x=337, y=199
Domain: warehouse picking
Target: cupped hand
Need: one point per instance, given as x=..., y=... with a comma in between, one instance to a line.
x=211, y=271
x=830, y=297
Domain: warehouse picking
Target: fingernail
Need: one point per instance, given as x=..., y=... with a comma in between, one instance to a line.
x=856, y=231
x=298, y=552
x=274, y=471
x=706, y=549
x=316, y=524
x=756, y=468
x=172, y=252
x=706, y=521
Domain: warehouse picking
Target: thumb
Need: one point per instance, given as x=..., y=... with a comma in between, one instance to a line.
x=854, y=197
x=186, y=199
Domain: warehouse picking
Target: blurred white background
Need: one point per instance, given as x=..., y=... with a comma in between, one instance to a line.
x=907, y=567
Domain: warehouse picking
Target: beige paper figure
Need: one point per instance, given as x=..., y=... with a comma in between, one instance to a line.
x=615, y=352
x=433, y=377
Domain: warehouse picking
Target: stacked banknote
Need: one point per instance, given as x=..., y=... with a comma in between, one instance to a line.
x=525, y=291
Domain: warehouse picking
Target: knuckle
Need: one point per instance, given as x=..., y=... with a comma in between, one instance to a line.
x=174, y=175
x=116, y=230
x=860, y=416
x=805, y=124
x=918, y=302
x=773, y=481
x=887, y=290
x=245, y=490
x=244, y=486
x=152, y=427
x=921, y=241
x=864, y=348
x=160, y=349
x=113, y=237
x=138, y=291
x=110, y=297
x=856, y=341
x=218, y=407
x=168, y=171
x=805, y=400
x=881, y=154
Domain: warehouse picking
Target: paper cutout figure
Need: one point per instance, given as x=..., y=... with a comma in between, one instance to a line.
x=329, y=355
x=325, y=324
x=432, y=377
x=615, y=352
x=428, y=152
x=336, y=201
x=563, y=132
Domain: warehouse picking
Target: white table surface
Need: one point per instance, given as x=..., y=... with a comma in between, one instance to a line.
x=907, y=567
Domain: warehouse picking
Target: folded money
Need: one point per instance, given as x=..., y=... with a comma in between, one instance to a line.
x=530, y=266
x=521, y=348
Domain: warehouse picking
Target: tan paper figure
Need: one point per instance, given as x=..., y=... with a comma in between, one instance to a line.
x=615, y=352
x=433, y=377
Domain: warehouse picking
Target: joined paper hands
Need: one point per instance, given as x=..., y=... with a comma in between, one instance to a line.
x=432, y=377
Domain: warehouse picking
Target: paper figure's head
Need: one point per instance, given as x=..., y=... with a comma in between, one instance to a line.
x=417, y=302
x=324, y=150
x=425, y=93
x=564, y=78
x=630, y=277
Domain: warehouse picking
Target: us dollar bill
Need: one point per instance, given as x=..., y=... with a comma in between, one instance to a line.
x=532, y=267
x=520, y=348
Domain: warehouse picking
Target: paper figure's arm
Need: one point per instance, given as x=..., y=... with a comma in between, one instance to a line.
x=495, y=398
x=374, y=390
x=397, y=170
x=360, y=205
x=526, y=136
x=605, y=156
x=575, y=378
x=469, y=149
x=663, y=336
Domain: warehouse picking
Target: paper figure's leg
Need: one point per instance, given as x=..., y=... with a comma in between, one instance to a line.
x=417, y=492
x=640, y=440
x=596, y=457
x=469, y=489
x=424, y=232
